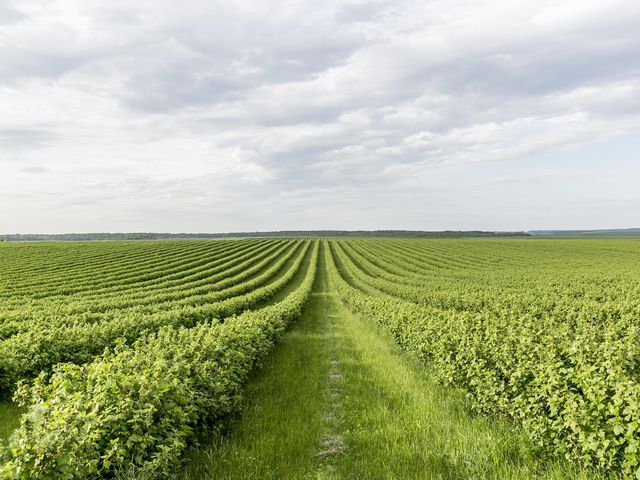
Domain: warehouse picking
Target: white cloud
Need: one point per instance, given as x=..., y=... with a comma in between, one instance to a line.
x=216, y=116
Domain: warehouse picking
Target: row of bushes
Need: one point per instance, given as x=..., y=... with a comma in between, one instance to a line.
x=137, y=408
x=188, y=282
x=25, y=355
x=572, y=385
x=72, y=268
x=512, y=293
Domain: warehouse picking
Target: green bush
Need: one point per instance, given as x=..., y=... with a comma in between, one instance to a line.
x=138, y=407
x=573, y=384
x=25, y=355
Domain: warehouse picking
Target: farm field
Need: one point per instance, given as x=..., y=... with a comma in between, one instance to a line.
x=315, y=358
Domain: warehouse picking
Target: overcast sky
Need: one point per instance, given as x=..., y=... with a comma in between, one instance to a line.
x=215, y=116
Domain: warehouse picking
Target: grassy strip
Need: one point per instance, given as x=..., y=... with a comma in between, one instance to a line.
x=9, y=418
x=278, y=434
x=338, y=400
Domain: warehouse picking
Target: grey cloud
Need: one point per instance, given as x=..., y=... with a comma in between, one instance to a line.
x=254, y=106
x=35, y=169
x=214, y=58
x=19, y=138
x=358, y=12
x=9, y=14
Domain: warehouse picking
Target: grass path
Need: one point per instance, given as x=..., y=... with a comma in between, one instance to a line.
x=9, y=418
x=279, y=433
x=337, y=400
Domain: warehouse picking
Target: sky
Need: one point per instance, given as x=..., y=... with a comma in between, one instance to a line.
x=214, y=116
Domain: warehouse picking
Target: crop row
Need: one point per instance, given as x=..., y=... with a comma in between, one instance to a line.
x=601, y=300
x=216, y=280
x=200, y=281
x=94, y=281
x=35, y=273
x=41, y=346
x=571, y=382
x=135, y=409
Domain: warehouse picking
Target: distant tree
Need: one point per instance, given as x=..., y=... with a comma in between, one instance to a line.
x=79, y=237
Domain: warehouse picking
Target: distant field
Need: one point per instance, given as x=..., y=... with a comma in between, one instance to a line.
x=612, y=233
x=320, y=358
x=603, y=235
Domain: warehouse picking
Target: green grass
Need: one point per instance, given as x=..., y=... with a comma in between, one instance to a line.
x=9, y=418
x=278, y=434
x=338, y=400
x=399, y=423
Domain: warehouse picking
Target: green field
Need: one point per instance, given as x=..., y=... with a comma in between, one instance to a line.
x=312, y=358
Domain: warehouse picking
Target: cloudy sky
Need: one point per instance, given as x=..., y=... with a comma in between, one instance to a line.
x=216, y=116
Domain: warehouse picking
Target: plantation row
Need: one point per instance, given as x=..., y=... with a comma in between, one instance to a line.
x=40, y=339
x=136, y=408
x=123, y=354
x=555, y=347
x=165, y=375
